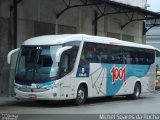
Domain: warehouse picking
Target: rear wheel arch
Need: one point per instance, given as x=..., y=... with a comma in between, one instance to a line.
x=136, y=91
x=138, y=82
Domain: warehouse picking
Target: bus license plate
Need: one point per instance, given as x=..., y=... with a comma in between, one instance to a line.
x=32, y=96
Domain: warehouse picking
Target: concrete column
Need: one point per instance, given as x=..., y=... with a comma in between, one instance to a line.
x=56, y=27
x=79, y=20
x=4, y=46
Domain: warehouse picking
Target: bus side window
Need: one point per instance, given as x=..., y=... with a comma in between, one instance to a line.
x=133, y=57
x=89, y=54
x=64, y=64
x=67, y=61
x=73, y=54
x=91, y=57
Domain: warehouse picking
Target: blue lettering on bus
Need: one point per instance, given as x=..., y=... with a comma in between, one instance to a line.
x=83, y=71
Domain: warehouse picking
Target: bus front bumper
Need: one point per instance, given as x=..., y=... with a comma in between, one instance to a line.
x=53, y=94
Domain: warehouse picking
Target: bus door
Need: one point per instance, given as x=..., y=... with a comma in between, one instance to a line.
x=64, y=69
x=66, y=66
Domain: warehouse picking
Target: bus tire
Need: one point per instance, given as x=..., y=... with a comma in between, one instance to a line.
x=81, y=95
x=136, y=93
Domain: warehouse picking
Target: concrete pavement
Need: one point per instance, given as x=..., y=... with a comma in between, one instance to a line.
x=148, y=103
x=6, y=99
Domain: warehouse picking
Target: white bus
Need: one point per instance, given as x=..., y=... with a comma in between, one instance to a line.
x=61, y=67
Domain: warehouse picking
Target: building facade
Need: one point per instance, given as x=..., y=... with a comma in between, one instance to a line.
x=153, y=35
x=39, y=17
x=138, y=3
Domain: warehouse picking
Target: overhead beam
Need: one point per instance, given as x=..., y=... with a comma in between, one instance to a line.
x=154, y=25
x=133, y=20
x=83, y=4
x=121, y=9
x=110, y=13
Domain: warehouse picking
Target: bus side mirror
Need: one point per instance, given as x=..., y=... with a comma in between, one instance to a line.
x=60, y=51
x=10, y=55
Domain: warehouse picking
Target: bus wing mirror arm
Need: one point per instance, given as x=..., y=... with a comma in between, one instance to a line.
x=10, y=55
x=60, y=51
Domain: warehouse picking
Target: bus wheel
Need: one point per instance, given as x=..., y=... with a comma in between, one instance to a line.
x=137, y=92
x=81, y=95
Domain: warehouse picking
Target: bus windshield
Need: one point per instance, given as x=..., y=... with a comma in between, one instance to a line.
x=37, y=64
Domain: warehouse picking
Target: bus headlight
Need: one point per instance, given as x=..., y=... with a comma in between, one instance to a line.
x=50, y=87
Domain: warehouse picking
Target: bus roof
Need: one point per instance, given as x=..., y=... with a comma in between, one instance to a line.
x=60, y=39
